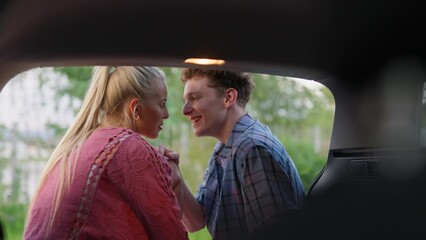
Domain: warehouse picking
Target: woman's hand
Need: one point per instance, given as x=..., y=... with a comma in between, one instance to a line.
x=177, y=181
x=169, y=153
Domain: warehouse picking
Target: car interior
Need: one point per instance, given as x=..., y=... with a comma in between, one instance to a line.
x=370, y=54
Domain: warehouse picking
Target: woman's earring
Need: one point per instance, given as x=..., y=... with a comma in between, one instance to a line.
x=136, y=114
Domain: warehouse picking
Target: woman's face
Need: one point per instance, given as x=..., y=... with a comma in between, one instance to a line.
x=153, y=111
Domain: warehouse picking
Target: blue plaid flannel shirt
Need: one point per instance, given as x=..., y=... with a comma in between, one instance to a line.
x=248, y=180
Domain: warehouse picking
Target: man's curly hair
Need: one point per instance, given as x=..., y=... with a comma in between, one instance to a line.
x=222, y=80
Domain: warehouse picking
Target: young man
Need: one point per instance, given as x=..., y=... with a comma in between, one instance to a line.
x=250, y=179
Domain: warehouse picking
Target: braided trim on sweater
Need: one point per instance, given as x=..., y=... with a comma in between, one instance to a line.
x=97, y=168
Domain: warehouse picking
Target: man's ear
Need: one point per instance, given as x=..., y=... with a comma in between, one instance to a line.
x=231, y=95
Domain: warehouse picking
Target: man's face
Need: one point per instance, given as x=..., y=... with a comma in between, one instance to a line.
x=204, y=107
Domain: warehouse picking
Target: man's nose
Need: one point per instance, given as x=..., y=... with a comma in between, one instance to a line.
x=186, y=109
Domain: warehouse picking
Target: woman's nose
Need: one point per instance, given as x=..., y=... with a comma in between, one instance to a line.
x=166, y=114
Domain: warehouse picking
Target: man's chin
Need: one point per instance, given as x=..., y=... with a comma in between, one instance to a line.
x=198, y=133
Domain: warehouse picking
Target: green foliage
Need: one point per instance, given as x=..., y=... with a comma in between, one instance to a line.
x=12, y=216
x=12, y=210
x=78, y=78
x=57, y=129
x=203, y=234
x=308, y=162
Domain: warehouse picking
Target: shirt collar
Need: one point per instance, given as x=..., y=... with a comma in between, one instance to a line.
x=221, y=150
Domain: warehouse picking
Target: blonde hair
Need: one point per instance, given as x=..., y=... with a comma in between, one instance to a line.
x=110, y=89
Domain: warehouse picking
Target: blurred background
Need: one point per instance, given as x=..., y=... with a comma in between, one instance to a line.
x=38, y=105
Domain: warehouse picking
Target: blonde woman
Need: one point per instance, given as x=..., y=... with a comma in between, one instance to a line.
x=104, y=180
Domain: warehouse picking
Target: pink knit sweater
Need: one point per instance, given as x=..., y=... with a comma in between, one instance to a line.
x=121, y=190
